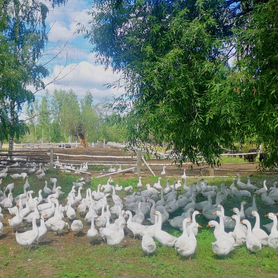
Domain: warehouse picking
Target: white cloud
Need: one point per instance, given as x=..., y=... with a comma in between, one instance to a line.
x=64, y=20
x=59, y=32
x=84, y=77
x=83, y=74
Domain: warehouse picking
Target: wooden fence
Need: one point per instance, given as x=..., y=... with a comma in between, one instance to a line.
x=137, y=162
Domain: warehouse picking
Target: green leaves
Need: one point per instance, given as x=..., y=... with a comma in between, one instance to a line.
x=23, y=36
x=184, y=91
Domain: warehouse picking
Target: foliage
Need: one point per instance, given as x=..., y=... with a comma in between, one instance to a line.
x=256, y=76
x=23, y=36
x=184, y=86
x=64, y=117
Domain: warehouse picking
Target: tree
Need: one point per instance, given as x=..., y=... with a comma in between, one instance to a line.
x=169, y=53
x=23, y=36
x=44, y=119
x=67, y=113
x=114, y=128
x=256, y=76
x=175, y=56
x=89, y=124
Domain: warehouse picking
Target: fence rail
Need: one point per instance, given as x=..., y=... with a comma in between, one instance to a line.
x=97, y=158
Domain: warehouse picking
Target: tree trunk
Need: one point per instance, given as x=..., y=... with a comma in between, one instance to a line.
x=12, y=132
x=11, y=146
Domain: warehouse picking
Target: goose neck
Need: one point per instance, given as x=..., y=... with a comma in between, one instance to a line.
x=221, y=224
x=274, y=226
x=257, y=223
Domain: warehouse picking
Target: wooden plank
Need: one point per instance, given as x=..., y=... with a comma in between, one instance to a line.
x=94, y=156
x=118, y=172
x=148, y=166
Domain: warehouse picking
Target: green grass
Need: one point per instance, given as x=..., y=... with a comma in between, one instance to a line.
x=232, y=160
x=77, y=258
x=71, y=256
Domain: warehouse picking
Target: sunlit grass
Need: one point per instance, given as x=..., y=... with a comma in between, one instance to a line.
x=232, y=160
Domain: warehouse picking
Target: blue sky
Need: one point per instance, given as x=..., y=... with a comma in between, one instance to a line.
x=75, y=67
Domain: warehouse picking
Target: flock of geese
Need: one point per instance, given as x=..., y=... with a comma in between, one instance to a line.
x=70, y=168
x=142, y=212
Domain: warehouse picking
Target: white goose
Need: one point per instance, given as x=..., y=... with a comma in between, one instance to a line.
x=16, y=220
x=91, y=212
x=58, y=226
x=1, y=228
x=70, y=212
x=136, y=228
x=26, y=185
x=42, y=229
x=9, y=187
x=248, y=211
x=139, y=184
x=46, y=205
x=97, y=195
x=240, y=231
x=118, y=187
x=186, y=244
x=1, y=215
x=139, y=216
x=3, y=175
x=184, y=176
x=228, y=221
x=158, y=185
x=77, y=226
x=48, y=212
x=252, y=242
x=273, y=237
x=92, y=232
x=34, y=214
x=163, y=237
x=223, y=244
x=148, y=244
x=8, y=201
x=128, y=189
x=82, y=207
x=194, y=225
x=241, y=211
x=46, y=189
x=18, y=206
x=167, y=188
x=29, y=237
x=24, y=211
x=113, y=233
x=257, y=231
x=163, y=172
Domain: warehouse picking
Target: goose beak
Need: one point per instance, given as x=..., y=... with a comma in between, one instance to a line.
x=200, y=226
x=208, y=226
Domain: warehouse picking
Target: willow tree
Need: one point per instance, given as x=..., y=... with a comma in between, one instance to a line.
x=184, y=62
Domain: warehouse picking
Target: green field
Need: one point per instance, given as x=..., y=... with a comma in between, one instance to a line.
x=74, y=256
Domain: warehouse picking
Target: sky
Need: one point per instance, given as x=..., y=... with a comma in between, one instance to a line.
x=75, y=66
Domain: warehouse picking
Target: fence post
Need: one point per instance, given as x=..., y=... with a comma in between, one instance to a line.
x=51, y=158
x=139, y=162
x=211, y=171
